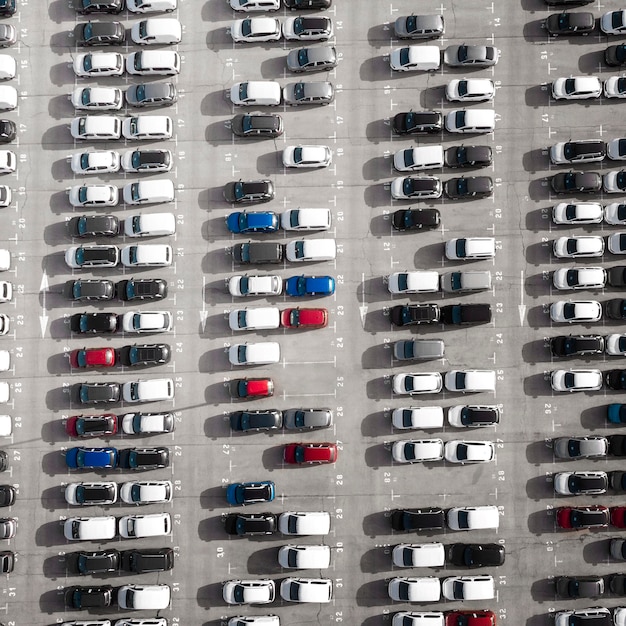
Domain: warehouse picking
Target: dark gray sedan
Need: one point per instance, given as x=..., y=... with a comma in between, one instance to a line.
x=151, y=95
x=409, y=349
x=579, y=586
x=308, y=93
x=99, y=34
x=307, y=419
x=564, y=23
x=468, y=187
x=94, y=226
x=572, y=182
x=257, y=125
x=246, y=421
x=468, y=156
x=471, y=56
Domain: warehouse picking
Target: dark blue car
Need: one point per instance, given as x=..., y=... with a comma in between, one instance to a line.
x=616, y=413
x=310, y=286
x=91, y=458
x=253, y=222
x=250, y=493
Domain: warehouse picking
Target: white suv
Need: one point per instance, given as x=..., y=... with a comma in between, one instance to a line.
x=152, y=390
x=144, y=597
x=153, y=63
x=157, y=31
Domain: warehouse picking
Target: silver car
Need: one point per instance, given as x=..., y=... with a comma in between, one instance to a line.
x=307, y=419
x=471, y=56
x=580, y=447
x=419, y=26
x=299, y=93
x=312, y=59
x=422, y=349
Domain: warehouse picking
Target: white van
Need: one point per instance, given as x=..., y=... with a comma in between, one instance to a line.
x=418, y=618
x=260, y=353
x=155, y=31
x=415, y=589
x=413, y=417
x=153, y=62
x=144, y=597
x=311, y=250
x=306, y=219
x=151, y=225
x=473, y=280
x=148, y=192
x=415, y=58
x=417, y=281
x=418, y=555
x=304, y=523
x=256, y=93
x=419, y=158
x=146, y=255
x=89, y=528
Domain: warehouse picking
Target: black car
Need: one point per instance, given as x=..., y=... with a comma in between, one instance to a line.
x=141, y=289
x=615, y=308
x=468, y=156
x=573, y=345
x=92, y=494
x=4, y=461
x=148, y=560
x=617, y=445
x=145, y=354
x=8, y=7
x=245, y=421
x=581, y=23
x=411, y=314
x=144, y=458
x=99, y=562
x=7, y=561
x=94, y=226
x=416, y=219
x=247, y=524
x=579, y=586
x=616, y=276
x=615, y=379
x=248, y=191
x=307, y=4
x=8, y=131
x=468, y=187
x=617, y=480
x=90, y=289
x=569, y=3
x=417, y=122
x=98, y=393
x=150, y=160
x=7, y=495
x=418, y=519
x=87, y=7
x=258, y=252
x=257, y=125
x=99, y=34
x=95, y=323
x=617, y=584
x=81, y=598
x=151, y=95
x=465, y=314
x=572, y=182
x=474, y=555
x=615, y=55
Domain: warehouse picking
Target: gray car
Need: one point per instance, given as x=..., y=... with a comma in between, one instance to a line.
x=419, y=26
x=313, y=59
x=308, y=93
x=580, y=447
x=151, y=95
x=470, y=56
x=8, y=35
x=307, y=419
x=409, y=349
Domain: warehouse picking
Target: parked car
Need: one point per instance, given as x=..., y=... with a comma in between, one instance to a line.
x=147, y=423
x=579, y=278
x=471, y=56
x=417, y=451
x=310, y=453
x=580, y=447
x=473, y=555
x=253, y=125
x=91, y=493
x=417, y=122
x=577, y=213
x=575, y=345
x=414, y=314
x=311, y=59
x=96, y=323
x=468, y=588
x=417, y=383
x=140, y=526
x=255, y=29
x=141, y=289
x=302, y=93
x=240, y=192
x=317, y=590
x=576, y=88
x=146, y=492
x=575, y=311
x=250, y=493
x=580, y=483
x=147, y=560
x=250, y=524
x=576, y=380
x=254, y=421
x=570, y=23
x=577, y=518
x=87, y=426
x=473, y=518
x=91, y=458
x=470, y=90
x=419, y=26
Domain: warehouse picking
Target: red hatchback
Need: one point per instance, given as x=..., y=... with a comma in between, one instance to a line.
x=618, y=516
x=92, y=357
x=86, y=426
x=310, y=453
x=244, y=388
x=304, y=318
x=470, y=618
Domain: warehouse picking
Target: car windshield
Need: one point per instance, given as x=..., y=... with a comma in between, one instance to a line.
x=81, y=359
x=241, y=319
x=238, y=190
x=573, y=447
x=403, y=282
x=80, y=256
x=563, y=20
x=461, y=186
x=241, y=354
x=136, y=196
x=459, y=119
x=457, y=590
x=460, y=248
x=570, y=85
x=407, y=186
x=246, y=27
x=299, y=249
x=569, y=380
x=143, y=29
x=294, y=317
x=461, y=452
x=404, y=56
x=569, y=310
x=411, y=23
x=298, y=91
x=572, y=278
x=298, y=26
x=303, y=57
x=572, y=245
x=616, y=19
x=462, y=53
x=132, y=255
x=409, y=451
x=620, y=180
x=299, y=454
x=140, y=94
x=87, y=64
x=408, y=158
x=297, y=154
x=301, y=285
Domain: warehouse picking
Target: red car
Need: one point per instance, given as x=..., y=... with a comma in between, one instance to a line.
x=304, y=318
x=92, y=357
x=576, y=518
x=244, y=388
x=85, y=426
x=470, y=618
x=618, y=516
x=310, y=453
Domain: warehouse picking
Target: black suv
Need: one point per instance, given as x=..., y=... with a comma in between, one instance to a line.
x=98, y=393
x=141, y=289
x=581, y=182
x=145, y=354
x=257, y=125
x=468, y=156
x=581, y=23
x=615, y=379
x=148, y=560
x=573, y=345
x=415, y=219
x=465, y=314
x=411, y=314
x=307, y=4
x=99, y=34
x=615, y=55
x=617, y=445
x=144, y=458
x=417, y=122
x=91, y=289
x=248, y=191
x=144, y=160
x=615, y=309
x=617, y=275
x=81, y=598
x=474, y=555
x=468, y=187
x=418, y=519
x=258, y=252
x=86, y=7
x=250, y=524
x=95, y=323
x=245, y=421
x=99, y=562
x=94, y=226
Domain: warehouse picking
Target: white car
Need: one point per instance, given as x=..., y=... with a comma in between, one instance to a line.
x=95, y=162
x=89, y=528
x=415, y=188
x=418, y=555
x=615, y=344
x=151, y=6
x=8, y=162
x=4, y=392
x=144, y=597
x=256, y=93
x=576, y=311
x=594, y=615
x=147, y=127
x=576, y=88
x=317, y=590
x=250, y=6
x=305, y=28
x=153, y=63
x=615, y=87
x=88, y=64
x=139, y=526
x=307, y=250
x=147, y=160
x=616, y=243
x=93, y=195
x=619, y=616
x=616, y=149
x=254, y=620
x=417, y=450
x=470, y=248
x=458, y=451
x=147, y=423
x=146, y=492
x=101, y=128
x=260, y=318
x=468, y=588
x=146, y=255
x=614, y=182
x=581, y=151
x=413, y=417
x=473, y=518
x=471, y=121
x=153, y=390
x=8, y=98
x=613, y=22
x=418, y=281
x=470, y=381
x=419, y=382
x=157, y=31
x=418, y=159
x=253, y=29
x=306, y=219
x=73, y=489
x=578, y=247
x=418, y=618
x=150, y=225
x=579, y=278
x=307, y=156
x=261, y=353
x=304, y=557
x=576, y=380
x=148, y=192
x=580, y=213
x=8, y=67
x=147, y=321
x=580, y=483
x=414, y=589
x=260, y=591
x=97, y=98
x=415, y=58
x=310, y=523
x=470, y=90
x=615, y=214
x=244, y=285
x=5, y=362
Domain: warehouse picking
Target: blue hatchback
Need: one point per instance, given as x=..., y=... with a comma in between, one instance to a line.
x=253, y=222
x=310, y=286
x=616, y=413
x=91, y=458
x=250, y=493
